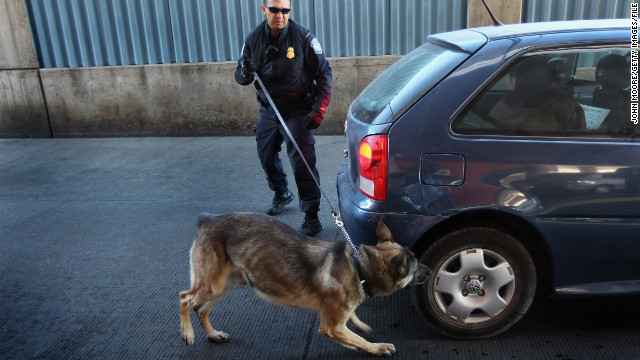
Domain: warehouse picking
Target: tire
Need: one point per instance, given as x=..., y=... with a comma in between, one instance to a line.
x=484, y=281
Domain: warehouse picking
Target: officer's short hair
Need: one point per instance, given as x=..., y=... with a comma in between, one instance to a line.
x=266, y=2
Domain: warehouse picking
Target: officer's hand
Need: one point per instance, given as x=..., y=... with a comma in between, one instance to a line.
x=313, y=119
x=248, y=67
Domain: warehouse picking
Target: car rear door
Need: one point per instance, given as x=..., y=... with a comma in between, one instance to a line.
x=578, y=186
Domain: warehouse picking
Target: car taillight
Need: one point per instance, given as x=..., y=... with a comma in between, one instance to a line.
x=372, y=161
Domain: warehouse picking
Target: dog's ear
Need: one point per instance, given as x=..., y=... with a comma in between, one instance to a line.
x=383, y=233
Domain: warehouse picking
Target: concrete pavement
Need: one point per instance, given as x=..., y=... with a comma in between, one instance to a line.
x=94, y=241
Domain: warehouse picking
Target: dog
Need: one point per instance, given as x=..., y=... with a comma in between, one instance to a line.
x=291, y=269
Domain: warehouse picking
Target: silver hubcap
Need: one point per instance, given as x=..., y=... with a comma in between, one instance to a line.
x=474, y=285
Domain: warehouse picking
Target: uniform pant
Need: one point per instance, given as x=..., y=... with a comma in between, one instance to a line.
x=269, y=138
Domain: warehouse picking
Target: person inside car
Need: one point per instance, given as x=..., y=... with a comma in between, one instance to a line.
x=614, y=76
x=539, y=102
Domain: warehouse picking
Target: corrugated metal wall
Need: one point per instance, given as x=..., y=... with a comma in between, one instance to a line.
x=555, y=10
x=382, y=27
x=80, y=33
x=73, y=33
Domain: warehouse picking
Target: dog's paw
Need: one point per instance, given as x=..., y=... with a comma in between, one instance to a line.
x=218, y=337
x=188, y=337
x=385, y=349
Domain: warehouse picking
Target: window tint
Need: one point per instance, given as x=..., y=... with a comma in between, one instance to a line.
x=580, y=93
x=431, y=61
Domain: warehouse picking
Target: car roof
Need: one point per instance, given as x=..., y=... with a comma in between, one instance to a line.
x=470, y=40
x=539, y=28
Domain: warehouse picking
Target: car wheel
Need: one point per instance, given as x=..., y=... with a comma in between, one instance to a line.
x=484, y=281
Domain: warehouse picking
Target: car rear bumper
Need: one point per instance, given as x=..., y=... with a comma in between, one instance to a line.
x=359, y=213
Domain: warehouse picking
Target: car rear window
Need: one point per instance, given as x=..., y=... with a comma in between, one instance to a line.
x=416, y=73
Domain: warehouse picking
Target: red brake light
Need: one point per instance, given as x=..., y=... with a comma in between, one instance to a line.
x=372, y=161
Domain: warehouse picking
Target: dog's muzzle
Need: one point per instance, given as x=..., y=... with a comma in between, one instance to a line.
x=421, y=275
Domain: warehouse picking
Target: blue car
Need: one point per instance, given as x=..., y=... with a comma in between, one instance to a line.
x=508, y=159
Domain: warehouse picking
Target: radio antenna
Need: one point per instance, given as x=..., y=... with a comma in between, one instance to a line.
x=496, y=22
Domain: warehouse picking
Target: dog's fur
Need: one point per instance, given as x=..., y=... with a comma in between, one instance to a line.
x=291, y=269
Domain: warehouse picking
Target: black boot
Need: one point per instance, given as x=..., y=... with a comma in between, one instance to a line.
x=280, y=200
x=311, y=225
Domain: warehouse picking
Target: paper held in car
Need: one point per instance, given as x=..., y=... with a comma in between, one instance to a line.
x=594, y=116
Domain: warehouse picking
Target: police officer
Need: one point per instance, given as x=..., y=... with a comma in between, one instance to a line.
x=292, y=66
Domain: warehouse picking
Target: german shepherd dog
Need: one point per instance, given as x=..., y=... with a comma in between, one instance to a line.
x=291, y=269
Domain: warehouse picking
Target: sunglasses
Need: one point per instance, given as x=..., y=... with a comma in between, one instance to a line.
x=275, y=10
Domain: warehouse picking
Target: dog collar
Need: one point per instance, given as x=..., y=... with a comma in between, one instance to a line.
x=365, y=285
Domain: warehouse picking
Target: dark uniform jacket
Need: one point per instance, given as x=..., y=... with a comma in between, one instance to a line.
x=288, y=74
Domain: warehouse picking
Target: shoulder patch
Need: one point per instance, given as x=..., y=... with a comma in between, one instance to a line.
x=315, y=44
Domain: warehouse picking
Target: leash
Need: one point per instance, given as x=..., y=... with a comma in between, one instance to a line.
x=339, y=223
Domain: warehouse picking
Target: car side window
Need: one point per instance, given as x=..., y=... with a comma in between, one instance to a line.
x=565, y=94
